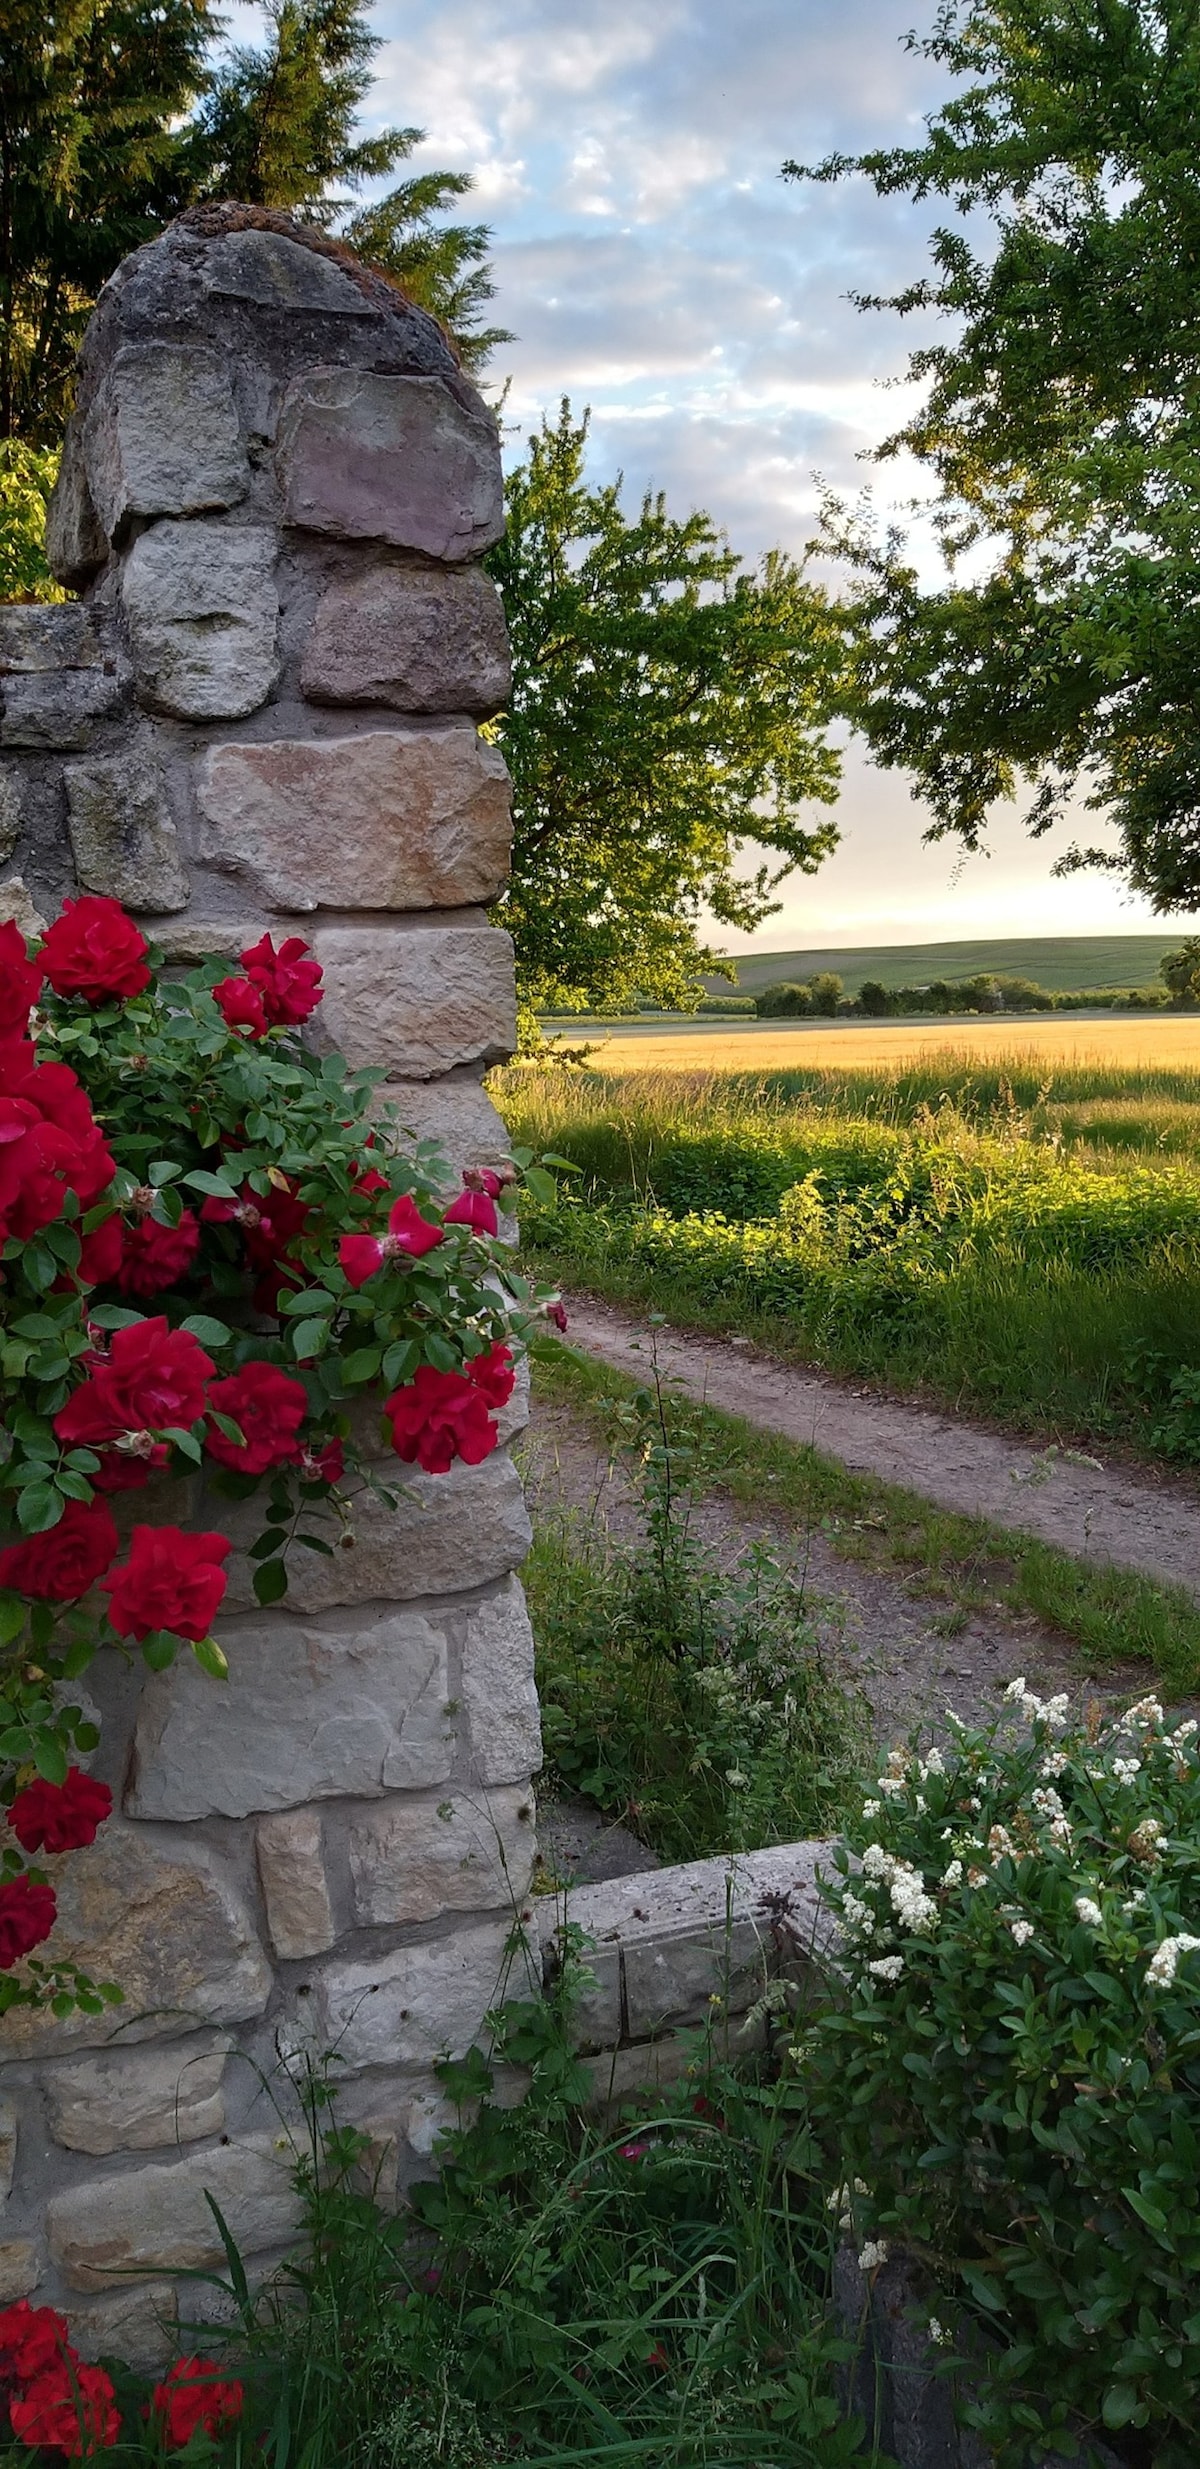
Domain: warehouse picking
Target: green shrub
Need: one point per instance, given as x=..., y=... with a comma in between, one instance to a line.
x=1010, y=2072
x=784, y=1002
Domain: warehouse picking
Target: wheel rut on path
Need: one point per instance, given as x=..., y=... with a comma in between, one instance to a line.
x=1104, y=1515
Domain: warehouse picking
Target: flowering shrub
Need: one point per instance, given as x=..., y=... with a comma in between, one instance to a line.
x=1012, y=2068
x=57, y=2404
x=209, y=1256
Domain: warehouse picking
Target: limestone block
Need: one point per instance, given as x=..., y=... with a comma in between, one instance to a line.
x=162, y=436
x=412, y=819
x=455, y=1114
x=155, y=2219
x=75, y=544
x=167, y=1925
x=8, y=2146
x=416, y=2003
x=56, y=709
x=202, y=610
x=197, y=938
x=309, y=1712
x=20, y=2269
x=398, y=459
x=10, y=814
x=267, y=267
x=50, y=635
x=295, y=1888
x=123, y=839
x=18, y=904
x=419, y=1856
x=137, y=2325
x=413, y=638
x=417, y=1002
x=446, y=1532
x=136, y=2099
x=499, y=1693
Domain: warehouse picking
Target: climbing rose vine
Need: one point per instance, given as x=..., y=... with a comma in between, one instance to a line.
x=214, y=1267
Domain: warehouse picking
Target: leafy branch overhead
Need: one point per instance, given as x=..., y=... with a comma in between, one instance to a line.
x=1059, y=422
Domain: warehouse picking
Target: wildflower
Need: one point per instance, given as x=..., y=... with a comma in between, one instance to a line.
x=1125, y=1768
x=1185, y=1731
x=857, y=1917
x=871, y=1808
x=952, y=1876
x=632, y=2151
x=887, y=1967
x=1015, y=1693
x=1046, y=1803
x=735, y=1778
x=937, y=2333
x=1146, y=1713
x=1022, y=1930
x=1089, y=1912
x=1163, y=1963
x=1053, y=1764
x=933, y=1764
x=872, y=2254
x=1145, y=1839
x=1000, y=1844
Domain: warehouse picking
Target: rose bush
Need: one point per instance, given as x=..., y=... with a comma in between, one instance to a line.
x=175, y=1146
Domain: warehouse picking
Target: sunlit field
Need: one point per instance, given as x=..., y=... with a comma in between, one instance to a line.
x=1129, y=1042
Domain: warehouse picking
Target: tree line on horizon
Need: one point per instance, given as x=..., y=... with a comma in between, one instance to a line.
x=672, y=708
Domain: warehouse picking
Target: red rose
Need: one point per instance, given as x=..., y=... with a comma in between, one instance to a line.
x=409, y=1234
x=93, y=949
x=155, y=1256
x=241, y=1006
x=493, y=1375
x=127, y=1470
x=556, y=1313
x=60, y=1817
x=152, y=1380
x=361, y=1256
x=31, y=2339
x=475, y=1209
x=49, y=1143
x=368, y=1179
x=288, y=980
x=170, y=1581
x=439, y=1417
x=27, y=1915
x=194, y=2394
x=100, y=1253
x=20, y=982
x=324, y=1465
x=60, y=1565
x=68, y=2409
x=268, y=1407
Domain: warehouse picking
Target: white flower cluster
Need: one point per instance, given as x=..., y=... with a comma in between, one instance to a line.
x=914, y=1909
x=873, y=2254
x=858, y=1919
x=952, y=1876
x=1022, y=1930
x=1045, y=1802
x=839, y=2201
x=1146, y=1715
x=887, y=1967
x=1185, y=1731
x=1145, y=1839
x=1052, y=1711
x=1000, y=1844
x=1053, y=1764
x=1165, y=1960
x=1125, y=1768
x=1089, y=1913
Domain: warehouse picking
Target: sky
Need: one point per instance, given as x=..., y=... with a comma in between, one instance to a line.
x=652, y=264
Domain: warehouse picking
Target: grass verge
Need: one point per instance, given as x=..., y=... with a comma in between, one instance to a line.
x=1110, y=1615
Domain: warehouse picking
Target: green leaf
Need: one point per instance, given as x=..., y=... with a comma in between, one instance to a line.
x=268, y=1543
x=210, y=1658
x=50, y=1758
x=214, y=1186
x=184, y=1440
x=542, y=1186
x=38, y=1509
x=400, y=1362
x=163, y=1170
x=206, y=1331
x=312, y=1299
x=113, y=1316
x=270, y=1581
x=308, y=1339
x=160, y=1649
x=12, y=1618
x=362, y=1365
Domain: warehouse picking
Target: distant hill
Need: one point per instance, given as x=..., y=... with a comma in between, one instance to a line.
x=1061, y=963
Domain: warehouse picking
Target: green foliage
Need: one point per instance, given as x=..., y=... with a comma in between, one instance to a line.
x=688, y=1697
x=784, y=1002
x=1011, y=2070
x=667, y=708
x=1058, y=421
x=27, y=476
x=1180, y=972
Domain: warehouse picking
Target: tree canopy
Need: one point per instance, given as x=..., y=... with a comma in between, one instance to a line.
x=669, y=707
x=1061, y=423
x=116, y=114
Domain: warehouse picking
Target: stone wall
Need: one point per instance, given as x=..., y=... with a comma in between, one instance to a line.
x=261, y=714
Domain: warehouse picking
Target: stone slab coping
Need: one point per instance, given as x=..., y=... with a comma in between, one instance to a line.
x=666, y=1943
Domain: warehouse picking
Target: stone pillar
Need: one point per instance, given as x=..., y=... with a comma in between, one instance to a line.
x=260, y=715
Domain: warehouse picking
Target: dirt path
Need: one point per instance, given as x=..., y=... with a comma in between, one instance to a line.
x=1096, y=1513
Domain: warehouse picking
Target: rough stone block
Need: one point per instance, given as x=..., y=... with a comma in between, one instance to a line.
x=416, y=2003
x=418, y=1002
x=412, y=638
x=155, y=2219
x=17, y=903
x=397, y=459
x=198, y=938
x=499, y=1692
x=413, y=819
x=136, y=2099
x=8, y=2146
x=417, y=1857
x=167, y=1925
x=75, y=544
x=270, y=269
x=447, y=1532
x=20, y=2269
x=162, y=436
x=51, y=635
x=10, y=814
x=56, y=710
x=295, y=1888
x=137, y=2325
x=202, y=611
x=456, y=1114
x=123, y=839
x=309, y=1712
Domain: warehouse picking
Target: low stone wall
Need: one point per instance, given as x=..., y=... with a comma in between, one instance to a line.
x=261, y=715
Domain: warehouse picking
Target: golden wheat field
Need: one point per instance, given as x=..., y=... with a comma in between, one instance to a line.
x=1128, y=1042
